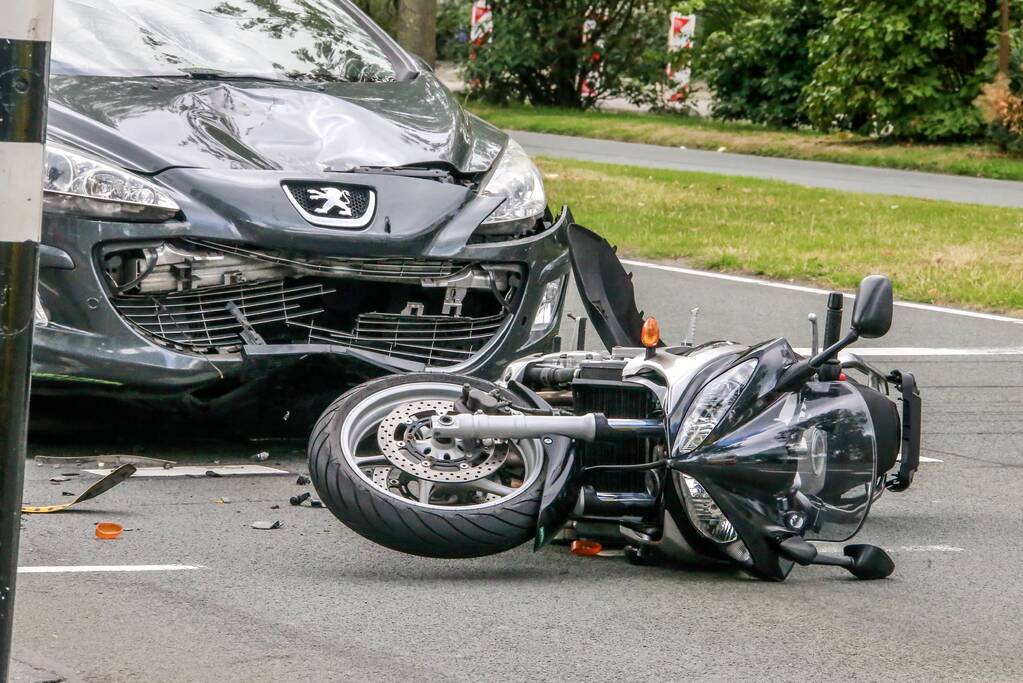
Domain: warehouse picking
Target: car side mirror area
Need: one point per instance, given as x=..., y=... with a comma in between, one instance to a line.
x=872, y=314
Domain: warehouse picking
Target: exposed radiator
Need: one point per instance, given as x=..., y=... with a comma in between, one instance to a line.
x=619, y=400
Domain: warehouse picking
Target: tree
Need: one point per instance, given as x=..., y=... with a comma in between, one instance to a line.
x=417, y=28
x=413, y=23
x=758, y=66
x=905, y=70
x=572, y=54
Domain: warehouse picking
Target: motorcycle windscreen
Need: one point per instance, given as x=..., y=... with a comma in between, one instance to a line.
x=606, y=289
x=804, y=465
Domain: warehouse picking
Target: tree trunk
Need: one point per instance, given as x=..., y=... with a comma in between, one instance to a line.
x=417, y=28
x=1003, y=40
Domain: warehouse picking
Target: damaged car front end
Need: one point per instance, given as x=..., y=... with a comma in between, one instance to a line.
x=234, y=243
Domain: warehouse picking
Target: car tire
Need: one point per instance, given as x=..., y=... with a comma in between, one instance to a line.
x=432, y=531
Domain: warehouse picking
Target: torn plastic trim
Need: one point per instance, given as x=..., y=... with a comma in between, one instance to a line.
x=269, y=357
x=230, y=258
x=605, y=288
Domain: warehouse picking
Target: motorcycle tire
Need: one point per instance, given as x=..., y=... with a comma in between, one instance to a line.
x=402, y=525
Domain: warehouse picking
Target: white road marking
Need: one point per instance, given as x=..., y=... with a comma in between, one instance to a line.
x=814, y=290
x=912, y=351
x=89, y=569
x=829, y=547
x=923, y=459
x=922, y=351
x=199, y=471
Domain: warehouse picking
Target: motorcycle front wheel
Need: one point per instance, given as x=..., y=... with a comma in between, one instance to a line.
x=375, y=467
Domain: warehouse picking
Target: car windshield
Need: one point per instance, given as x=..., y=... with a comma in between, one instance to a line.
x=293, y=40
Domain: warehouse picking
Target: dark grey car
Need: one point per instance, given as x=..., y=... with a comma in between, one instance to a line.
x=250, y=202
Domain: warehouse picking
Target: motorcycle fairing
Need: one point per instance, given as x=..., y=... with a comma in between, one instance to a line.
x=761, y=471
x=606, y=289
x=910, y=450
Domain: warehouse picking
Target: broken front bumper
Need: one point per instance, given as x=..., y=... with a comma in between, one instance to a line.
x=217, y=312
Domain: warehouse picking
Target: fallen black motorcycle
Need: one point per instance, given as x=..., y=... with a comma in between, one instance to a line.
x=717, y=453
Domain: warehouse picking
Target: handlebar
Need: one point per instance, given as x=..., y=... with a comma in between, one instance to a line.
x=833, y=321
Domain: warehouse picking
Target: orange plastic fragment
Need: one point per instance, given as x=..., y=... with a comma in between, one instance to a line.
x=585, y=548
x=108, y=531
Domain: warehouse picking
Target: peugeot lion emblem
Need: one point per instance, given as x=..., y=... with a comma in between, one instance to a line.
x=333, y=205
x=334, y=199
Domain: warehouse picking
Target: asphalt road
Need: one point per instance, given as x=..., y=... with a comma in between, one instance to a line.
x=313, y=601
x=808, y=173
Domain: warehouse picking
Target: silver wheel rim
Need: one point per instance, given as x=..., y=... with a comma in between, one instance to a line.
x=358, y=441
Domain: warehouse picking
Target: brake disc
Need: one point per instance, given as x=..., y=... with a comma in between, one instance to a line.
x=405, y=439
x=386, y=477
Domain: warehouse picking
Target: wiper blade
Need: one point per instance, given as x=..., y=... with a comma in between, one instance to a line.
x=206, y=74
x=426, y=173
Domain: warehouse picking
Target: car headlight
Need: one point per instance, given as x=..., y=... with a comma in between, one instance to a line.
x=548, y=307
x=41, y=317
x=79, y=184
x=710, y=405
x=517, y=178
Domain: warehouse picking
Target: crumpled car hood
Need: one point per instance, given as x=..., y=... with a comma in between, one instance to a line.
x=152, y=124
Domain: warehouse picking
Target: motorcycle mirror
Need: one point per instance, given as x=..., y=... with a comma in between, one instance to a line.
x=866, y=562
x=872, y=314
x=869, y=562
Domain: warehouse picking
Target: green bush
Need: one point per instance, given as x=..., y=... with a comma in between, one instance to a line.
x=537, y=53
x=1001, y=103
x=452, y=20
x=903, y=69
x=757, y=67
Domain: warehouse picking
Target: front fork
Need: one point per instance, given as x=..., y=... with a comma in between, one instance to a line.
x=589, y=427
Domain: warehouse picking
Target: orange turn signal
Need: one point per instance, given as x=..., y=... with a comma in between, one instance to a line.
x=651, y=335
x=585, y=548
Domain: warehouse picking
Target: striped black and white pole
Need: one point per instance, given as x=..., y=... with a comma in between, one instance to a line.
x=24, y=65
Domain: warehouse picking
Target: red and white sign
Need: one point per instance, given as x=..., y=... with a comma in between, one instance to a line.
x=481, y=23
x=681, y=32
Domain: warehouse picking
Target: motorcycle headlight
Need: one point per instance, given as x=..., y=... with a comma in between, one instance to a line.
x=709, y=520
x=711, y=404
x=79, y=184
x=705, y=513
x=518, y=179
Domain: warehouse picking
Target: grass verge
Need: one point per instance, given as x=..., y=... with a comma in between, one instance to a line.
x=677, y=131
x=935, y=252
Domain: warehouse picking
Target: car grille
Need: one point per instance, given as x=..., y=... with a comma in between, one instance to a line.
x=296, y=311
x=438, y=340
x=616, y=401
